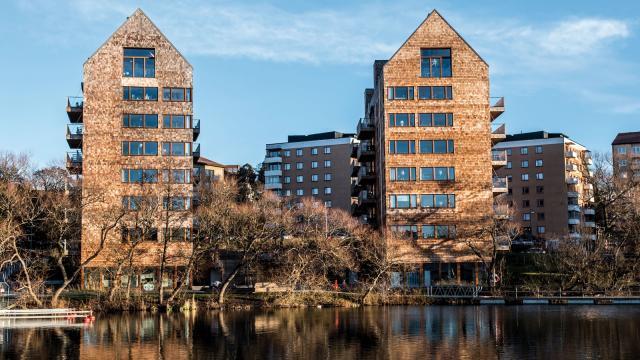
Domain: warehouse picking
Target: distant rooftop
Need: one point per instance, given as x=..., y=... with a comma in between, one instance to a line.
x=319, y=136
x=627, y=138
x=535, y=135
x=204, y=161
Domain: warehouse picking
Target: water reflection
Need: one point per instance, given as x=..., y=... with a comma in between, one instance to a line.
x=482, y=332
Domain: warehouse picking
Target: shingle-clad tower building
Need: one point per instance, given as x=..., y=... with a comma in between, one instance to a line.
x=425, y=161
x=133, y=132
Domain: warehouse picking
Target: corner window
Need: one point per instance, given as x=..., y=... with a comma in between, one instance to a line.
x=176, y=121
x=176, y=94
x=435, y=63
x=139, y=63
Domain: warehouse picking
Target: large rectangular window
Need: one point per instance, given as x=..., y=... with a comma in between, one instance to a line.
x=139, y=148
x=140, y=121
x=435, y=93
x=176, y=149
x=139, y=63
x=139, y=176
x=436, y=147
x=437, y=173
x=402, y=174
x=436, y=119
x=402, y=147
x=435, y=63
x=405, y=231
x=176, y=203
x=400, y=93
x=402, y=120
x=403, y=201
x=176, y=121
x=176, y=94
x=438, y=201
x=438, y=231
x=138, y=93
x=176, y=176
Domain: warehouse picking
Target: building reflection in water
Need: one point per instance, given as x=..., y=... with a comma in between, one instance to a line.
x=479, y=332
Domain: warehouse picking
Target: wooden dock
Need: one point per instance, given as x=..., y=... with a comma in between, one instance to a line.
x=30, y=314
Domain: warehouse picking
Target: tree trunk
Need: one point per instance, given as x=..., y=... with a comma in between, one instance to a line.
x=116, y=283
x=373, y=285
x=32, y=294
x=228, y=281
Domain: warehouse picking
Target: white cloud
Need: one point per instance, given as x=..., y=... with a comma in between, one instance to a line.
x=581, y=36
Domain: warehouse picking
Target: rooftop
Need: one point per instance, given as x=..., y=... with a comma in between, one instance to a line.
x=204, y=161
x=627, y=138
x=318, y=136
x=535, y=135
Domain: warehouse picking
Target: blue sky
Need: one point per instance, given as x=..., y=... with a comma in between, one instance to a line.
x=265, y=69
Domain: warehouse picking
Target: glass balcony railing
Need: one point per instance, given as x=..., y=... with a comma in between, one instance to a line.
x=499, y=155
x=498, y=129
x=196, y=150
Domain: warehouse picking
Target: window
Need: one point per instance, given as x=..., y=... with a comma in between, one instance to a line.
x=327, y=149
x=402, y=174
x=402, y=147
x=139, y=148
x=137, y=93
x=299, y=165
x=539, y=163
x=176, y=94
x=524, y=164
x=327, y=163
x=176, y=149
x=435, y=63
x=327, y=191
x=314, y=177
x=435, y=93
x=541, y=216
x=524, y=177
x=287, y=192
x=139, y=63
x=314, y=151
x=538, y=149
x=287, y=153
x=140, y=121
x=540, y=229
x=314, y=164
x=540, y=189
x=287, y=166
x=526, y=217
x=438, y=201
x=176, y=121
x=401, y=120
x=622, y=163
x=403, y=201
x=136, y=234
x=437, y=174
x=525, y=189
x=272, y=179
x=131, y=202
x=300, y=192
x=327, y=177
x=299, y=178
x=525, y=203
x=524, y=151
x=436, y=119
x=177, y=176
x=540, y=203
x=436, y=146
x=176, y=203
x=298, y=152
x=509, y=165
x=405, y=231
x=438, y=231
x=287, y=179
x=139, y=175
x=400, y=93
x=328, y=203
x=539, y=176
x=508, y=152
x=314, y=191
x=177, y=234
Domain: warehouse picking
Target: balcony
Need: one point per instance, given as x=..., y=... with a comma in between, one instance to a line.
x=273, y=172
x=501, y=212
x=366, y=175
x=355, y=189
x=590, y=224
x=366, y=152
x=575, y=235
x=498, y=132
x=366, y=198
x=354, y=151
x=571, y=207
x=354, y=170
x=500, y=185
x=589, y=211
x=272, y=158
x=572, y=167
x=75, y=105
x=503, y=243
x=74, y=162
x=497, y=108
x=572, y=180
x=196, y=129
x=573, y=194
x=196, y=150
x=273, y=186
x=74, y=135
x=571, y=154
x=498, y=158
x=366, y=129
x=574, y=221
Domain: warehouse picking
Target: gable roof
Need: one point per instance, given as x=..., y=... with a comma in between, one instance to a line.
x=136, y=14
x=435, y=12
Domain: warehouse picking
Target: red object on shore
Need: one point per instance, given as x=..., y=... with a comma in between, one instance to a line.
x=335, y=285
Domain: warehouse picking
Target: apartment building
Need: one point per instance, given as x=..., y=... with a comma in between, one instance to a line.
x=625, y=150
x=315, y=165
x=208, y=170
x=132, y=134
x=548, y=187
x=425, y=171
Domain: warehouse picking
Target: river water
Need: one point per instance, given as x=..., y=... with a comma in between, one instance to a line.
x=400, y=332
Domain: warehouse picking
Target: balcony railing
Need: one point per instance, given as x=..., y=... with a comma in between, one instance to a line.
x=75, y=105
x=500, y=184
x=498, y=130
x=196, y=129
x=74, y=135
x=571, y=154
x=572, y=180
x=196, y=150
x=499, y=155
x=365, y=128
x=496, y=106
x=366, y=151
x=74, y=162
x=366, y=196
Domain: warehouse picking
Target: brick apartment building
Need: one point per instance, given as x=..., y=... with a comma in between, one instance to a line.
x=315, y=165
x=548, y=188
x=132, y=133
x=625, y=150
x=425, y=168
